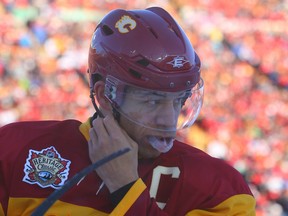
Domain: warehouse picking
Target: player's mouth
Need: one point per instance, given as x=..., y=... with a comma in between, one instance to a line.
x=161, y=144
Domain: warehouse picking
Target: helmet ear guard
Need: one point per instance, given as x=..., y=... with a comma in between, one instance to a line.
x=113, y=88
x=109, y=95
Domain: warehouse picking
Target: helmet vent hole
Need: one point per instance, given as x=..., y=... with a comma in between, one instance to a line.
x=107, y=30
x=135, y=73
x=173, y=30
x=153, y=32
x=143, y=62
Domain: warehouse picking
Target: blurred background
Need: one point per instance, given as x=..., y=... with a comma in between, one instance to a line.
x=243, y=46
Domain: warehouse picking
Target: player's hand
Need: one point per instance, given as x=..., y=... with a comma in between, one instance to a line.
x=107, y=137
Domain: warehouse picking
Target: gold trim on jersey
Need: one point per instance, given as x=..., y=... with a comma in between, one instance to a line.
x=130, y=198
x=241, y=204
x=25, y=206
x=1, y=210
x=84, y=129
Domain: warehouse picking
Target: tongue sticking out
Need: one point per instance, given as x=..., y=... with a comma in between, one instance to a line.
x=163, y=145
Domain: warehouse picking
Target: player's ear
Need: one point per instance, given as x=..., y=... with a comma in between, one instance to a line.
x=103, y=103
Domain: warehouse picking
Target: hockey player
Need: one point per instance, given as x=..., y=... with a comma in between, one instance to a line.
x=145, y=78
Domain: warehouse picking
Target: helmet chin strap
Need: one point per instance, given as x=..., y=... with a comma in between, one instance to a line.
x=92, y=96
x=116, y=114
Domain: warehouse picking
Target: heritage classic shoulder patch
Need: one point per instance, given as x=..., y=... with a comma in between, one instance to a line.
x=46, y=168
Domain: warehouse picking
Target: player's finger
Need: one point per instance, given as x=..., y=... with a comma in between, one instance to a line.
x=112, y=126
x=115, y=130
x=99, y=129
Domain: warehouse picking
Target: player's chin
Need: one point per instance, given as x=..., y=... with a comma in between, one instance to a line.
x=147, y=151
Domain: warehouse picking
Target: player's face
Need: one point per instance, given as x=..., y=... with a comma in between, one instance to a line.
x=150, y=118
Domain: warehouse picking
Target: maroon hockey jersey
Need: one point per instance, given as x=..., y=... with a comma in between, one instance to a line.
x=37, y=158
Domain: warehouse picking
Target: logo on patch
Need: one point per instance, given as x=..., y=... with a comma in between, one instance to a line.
x=46, y=168
x=178, y=62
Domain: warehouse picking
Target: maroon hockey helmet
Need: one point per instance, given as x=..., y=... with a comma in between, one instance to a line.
x=145, y=48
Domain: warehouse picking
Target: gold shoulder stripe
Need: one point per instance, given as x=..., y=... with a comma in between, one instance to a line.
x=241, y=204
x=25, y=206
x=84, y=129
x=1, y=210
x=130, y=198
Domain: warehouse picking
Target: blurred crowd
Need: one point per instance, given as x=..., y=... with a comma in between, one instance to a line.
x=244, y=50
